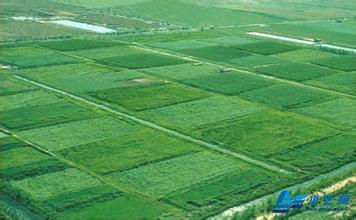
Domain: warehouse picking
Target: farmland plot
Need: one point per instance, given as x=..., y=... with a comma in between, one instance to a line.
x=255, y=60
x=182, y=45
x=27, y=57
x=303, y=55
x=199, y=15
x=149, y=96
x=190, y=115
x=145, y=60
x=266, y=133
x=295, y=71
x=77, y=133
x=342, y=82
x=159, y=179
x=267, y=48
x=126, y=206
x=98, y=53
x=229, y=83
x=340, y=111
x=78, y=44
x=81, y=78
x=28, y=99
x=284, y=96
x=44, y=115
x=321, y=156
x=10, y=87
x=339, y=62
x=215, y=53
x=129, y=150
x=20, y=161
x=45, y=186
x=183, y=71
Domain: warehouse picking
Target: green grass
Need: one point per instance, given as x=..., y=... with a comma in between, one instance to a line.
x=52, y=184
x=295, y=71
x=229, y=41
x=190, y=115
x=340, y=111
x=160, y=178
x=267, y=48
x=127, y=151
x=44, y=115
x=28, y=99
x=139, y=61
x=284, y=96
x=322, y=156
x=127, y=207
x=139, y=98
x=229, y=83
x=266, y=133
x=78, y=44
x=215, y=53
x=92, y=4
x=77, y=133
x=339, y=62
x=341, y=82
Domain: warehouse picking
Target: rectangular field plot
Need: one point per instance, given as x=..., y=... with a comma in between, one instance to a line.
x=45, y=186
x=295, y=71
x=321, y=156
x=126, y=206
x=77, y=133
x=341, y=111
x=267, y=48
x=229, y=83
x=159, y=179
x=81, y=78
x=19, y=162
x=10, y=87
x=284, y=96
x=28, y=99
x=217, y=195
x=139, y=61
x=183, y=71
x=340, y=62
x=266, y=133
x=215, y=53
x=230, y=40
x=255, y=60
x=190, y=115
x=78, y=44
x=25, y=57
x=149, y=96
x=44, y=115
x=128, y=150
x=342, y=82
x=304, y=55
x=182, y=45
x=98, y=53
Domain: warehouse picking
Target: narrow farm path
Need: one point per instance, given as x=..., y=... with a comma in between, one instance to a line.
x=155, y=126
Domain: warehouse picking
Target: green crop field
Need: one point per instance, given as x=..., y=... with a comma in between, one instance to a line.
x=179, y=109
x=295, y=71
